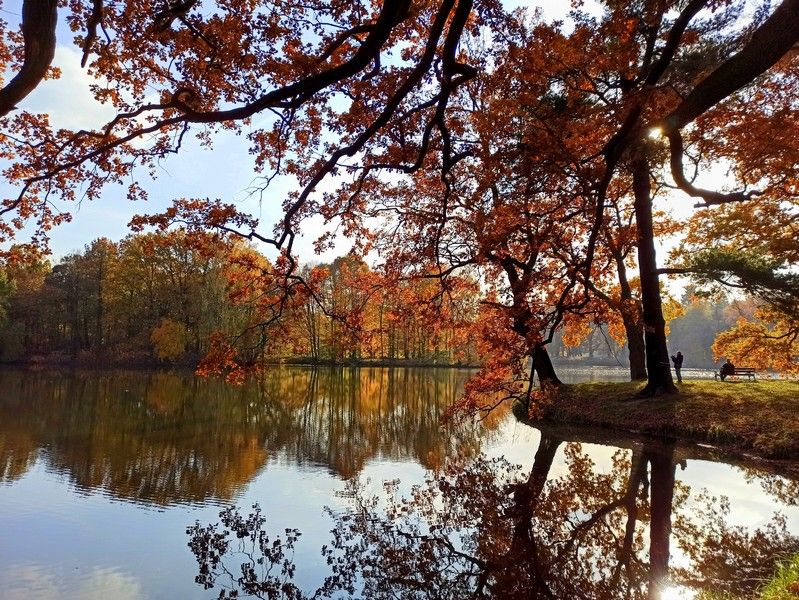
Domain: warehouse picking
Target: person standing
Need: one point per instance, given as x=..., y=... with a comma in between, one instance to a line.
x=677, y=360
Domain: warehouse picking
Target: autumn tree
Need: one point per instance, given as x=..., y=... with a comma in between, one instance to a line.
x=107, y=301
x=571, y=113
x=178, y=67
x=746, y=243
x=19, y=333
x=6, y=290
x=173, y=298
x=641, y=91
x=770, y=337
x=563, y=122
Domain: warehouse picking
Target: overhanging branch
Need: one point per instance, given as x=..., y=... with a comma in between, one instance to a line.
x=38, y=30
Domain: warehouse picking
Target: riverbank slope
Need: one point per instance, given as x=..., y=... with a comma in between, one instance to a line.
x=758, y=417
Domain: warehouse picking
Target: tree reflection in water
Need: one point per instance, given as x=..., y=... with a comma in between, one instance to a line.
x=483, y=528
x=164, y=438
x=479, y=527
x=267, y=570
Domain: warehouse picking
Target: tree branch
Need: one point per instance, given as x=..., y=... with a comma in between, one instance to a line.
x=771, y=41
x=38, y=30
x=710, y=197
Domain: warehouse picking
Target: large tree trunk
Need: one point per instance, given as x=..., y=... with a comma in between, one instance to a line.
x=542, y=366
x=631, y=317
x=636, y=347
x=657, y=355
x=523, y=550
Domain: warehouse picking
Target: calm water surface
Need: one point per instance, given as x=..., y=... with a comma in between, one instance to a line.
x=102, y=473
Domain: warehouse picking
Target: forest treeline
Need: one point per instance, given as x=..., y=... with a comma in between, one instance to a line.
x=160, y=298
x=499, y=146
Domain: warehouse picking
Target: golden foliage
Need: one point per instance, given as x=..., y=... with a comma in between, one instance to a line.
x=169, y=339
x=767, y=341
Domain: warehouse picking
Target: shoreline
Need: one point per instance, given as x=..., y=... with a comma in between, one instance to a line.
x=99, y=365
x=757, y=419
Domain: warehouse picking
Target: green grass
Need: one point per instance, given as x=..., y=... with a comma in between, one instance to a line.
x=758, y=416
x=784, y=585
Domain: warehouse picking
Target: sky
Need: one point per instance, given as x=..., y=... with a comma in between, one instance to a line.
x=224, y=172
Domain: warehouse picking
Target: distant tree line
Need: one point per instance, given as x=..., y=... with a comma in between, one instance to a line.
x=164, y=298
x=694, y=323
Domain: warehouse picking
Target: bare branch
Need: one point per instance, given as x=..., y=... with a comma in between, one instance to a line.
x=709, y=197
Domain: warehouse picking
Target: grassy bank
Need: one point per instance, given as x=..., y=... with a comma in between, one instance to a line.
x=760, y=417
x=783, y=586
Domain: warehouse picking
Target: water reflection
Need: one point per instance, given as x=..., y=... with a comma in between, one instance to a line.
x=32, y=581
x=587, y=516
x=485, y=528
x=164, y=438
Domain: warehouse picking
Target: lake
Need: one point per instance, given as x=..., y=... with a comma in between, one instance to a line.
x=103, y=476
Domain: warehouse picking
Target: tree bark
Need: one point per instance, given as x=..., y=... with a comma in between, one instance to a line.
x=542, y=366
x=635, y=346
x=631, y=318
x=657, y=355
x=38, y=30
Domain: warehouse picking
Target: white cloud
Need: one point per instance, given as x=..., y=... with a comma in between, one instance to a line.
x=68, y=100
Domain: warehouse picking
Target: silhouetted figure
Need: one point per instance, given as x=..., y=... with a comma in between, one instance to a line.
x=726, y=369
x=677, y=360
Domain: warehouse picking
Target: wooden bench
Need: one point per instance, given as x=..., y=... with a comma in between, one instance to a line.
x=739, y=372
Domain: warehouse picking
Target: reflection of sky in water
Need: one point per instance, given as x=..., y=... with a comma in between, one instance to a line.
x=31, y=582
x=748, y=504
x=64, y=541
